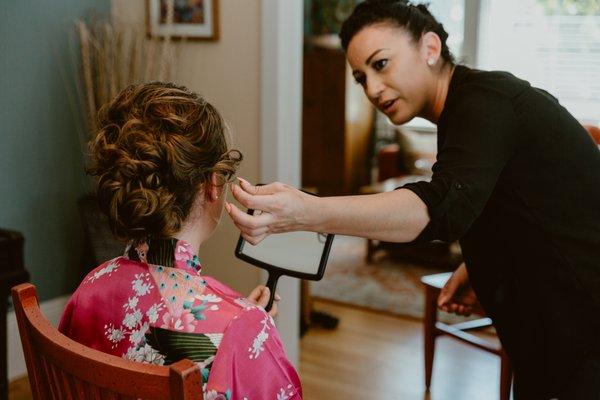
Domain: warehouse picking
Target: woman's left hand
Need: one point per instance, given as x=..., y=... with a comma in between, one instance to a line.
x=260, y=296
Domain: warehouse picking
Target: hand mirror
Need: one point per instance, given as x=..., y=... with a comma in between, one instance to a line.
x=301, y=255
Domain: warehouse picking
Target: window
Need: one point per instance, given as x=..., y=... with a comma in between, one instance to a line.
x=553, y=44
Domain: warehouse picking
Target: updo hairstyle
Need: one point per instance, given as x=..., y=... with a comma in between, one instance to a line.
x=157, y=144
x=414, y=18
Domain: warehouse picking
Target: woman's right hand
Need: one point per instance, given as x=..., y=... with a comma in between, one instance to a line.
x=278, y=208
x=457, y=296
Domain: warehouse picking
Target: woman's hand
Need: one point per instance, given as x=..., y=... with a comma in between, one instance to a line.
x=457, y=296
x=260, y=297
x=278, y=208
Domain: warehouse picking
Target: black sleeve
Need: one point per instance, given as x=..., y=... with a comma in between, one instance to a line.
x=480, y=137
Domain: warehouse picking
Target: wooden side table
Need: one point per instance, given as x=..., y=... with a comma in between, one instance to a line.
x=12, y=272
x=434, y=328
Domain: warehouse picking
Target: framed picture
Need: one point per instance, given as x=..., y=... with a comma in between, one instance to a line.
x=192, y=19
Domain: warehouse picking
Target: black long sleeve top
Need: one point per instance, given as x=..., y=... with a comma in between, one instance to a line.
x=517, y=182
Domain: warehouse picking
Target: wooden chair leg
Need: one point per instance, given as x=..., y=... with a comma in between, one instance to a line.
x=505, y=377
x=429, y=332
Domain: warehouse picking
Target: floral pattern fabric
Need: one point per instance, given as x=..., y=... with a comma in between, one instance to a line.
x=152, y=305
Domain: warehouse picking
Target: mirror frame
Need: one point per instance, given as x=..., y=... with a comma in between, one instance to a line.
x=281, y=271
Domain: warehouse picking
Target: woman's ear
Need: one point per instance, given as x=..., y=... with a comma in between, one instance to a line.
x=431, y=48
x=214, y=190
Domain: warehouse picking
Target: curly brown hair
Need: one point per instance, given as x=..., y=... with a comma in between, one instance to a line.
x=156, y=145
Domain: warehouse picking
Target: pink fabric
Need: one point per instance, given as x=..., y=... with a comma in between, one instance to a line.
x=122, y=300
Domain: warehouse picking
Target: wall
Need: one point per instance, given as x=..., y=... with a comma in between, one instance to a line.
x=41, y=174
x=227, y=74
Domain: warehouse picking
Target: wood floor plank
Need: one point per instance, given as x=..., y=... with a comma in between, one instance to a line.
x=371, y=355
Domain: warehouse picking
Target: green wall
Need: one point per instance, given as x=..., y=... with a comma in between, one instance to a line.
x=41, y=172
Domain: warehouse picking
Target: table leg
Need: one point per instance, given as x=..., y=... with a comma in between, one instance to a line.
x=505, y=377
x=429, y=331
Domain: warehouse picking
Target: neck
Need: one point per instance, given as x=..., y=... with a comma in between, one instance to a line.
x=194, y=232
x=439, y=93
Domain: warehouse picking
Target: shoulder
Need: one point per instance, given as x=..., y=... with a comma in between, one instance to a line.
x=118, y=271
x=498, y=84
x=112, y=302
x=490, y=92
x=113, y=283
x=481, y=98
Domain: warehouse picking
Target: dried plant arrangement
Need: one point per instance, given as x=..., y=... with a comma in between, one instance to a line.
x=113, y=55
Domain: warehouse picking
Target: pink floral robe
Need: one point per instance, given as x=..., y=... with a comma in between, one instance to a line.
x=152, y=305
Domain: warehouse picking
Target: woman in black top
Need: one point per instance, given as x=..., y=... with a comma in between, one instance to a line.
x=517, y=182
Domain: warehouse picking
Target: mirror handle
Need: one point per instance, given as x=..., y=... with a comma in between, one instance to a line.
x=272, y=285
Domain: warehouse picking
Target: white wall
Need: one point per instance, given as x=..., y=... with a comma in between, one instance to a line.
x=281, y=120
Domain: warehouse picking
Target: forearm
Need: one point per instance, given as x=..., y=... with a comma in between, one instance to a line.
x=397, y=216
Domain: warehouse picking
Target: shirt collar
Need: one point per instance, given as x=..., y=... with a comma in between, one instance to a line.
x=169, y=252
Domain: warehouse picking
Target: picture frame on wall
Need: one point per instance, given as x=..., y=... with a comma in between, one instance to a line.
x=192, y=19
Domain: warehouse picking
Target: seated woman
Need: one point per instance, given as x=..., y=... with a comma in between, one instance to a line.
x=162, y=166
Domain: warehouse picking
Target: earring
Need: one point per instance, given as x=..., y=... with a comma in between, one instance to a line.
x=430, y=62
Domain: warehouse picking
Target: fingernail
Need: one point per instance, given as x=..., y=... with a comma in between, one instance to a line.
x=277, y=297
x=228, y=207
x=243, y=180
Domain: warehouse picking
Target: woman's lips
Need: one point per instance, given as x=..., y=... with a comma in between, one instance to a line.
x=387, y=105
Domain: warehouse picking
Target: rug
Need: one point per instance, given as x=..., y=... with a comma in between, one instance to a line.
x=384, y=285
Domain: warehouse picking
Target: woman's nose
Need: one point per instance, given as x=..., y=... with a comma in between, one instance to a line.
x=373, y=89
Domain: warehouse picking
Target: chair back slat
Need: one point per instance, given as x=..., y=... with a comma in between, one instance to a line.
x=56, y=382
x=79, y=388
x=106, y=395
x=62, y=382
x=69, y=386
x=60, y=368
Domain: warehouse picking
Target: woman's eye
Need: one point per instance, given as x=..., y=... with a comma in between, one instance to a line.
x=359, y=80
x=380, y=64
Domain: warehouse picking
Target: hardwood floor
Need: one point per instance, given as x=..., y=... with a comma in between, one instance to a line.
x=19, y=389
x=375, y=356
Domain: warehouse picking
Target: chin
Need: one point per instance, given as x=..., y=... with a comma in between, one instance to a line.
x=399, y=119
x=402, y=116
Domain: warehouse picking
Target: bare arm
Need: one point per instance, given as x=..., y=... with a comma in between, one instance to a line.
x=397, y=216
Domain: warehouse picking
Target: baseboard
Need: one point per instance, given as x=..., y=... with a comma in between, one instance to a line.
x=52, y=309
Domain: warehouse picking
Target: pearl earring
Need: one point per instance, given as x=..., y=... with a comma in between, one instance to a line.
x=430, y=62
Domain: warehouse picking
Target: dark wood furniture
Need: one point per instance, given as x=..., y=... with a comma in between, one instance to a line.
x=12, y=272
x=434, y=328
x=594, y=132
x=337, y=121
x=60, y=368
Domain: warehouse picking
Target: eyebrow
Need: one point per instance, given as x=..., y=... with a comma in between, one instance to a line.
x=373, y=55
x=355, y=72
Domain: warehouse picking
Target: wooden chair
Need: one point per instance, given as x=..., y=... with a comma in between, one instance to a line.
x=433, y=329
x=594, y=132
x=60, y=368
